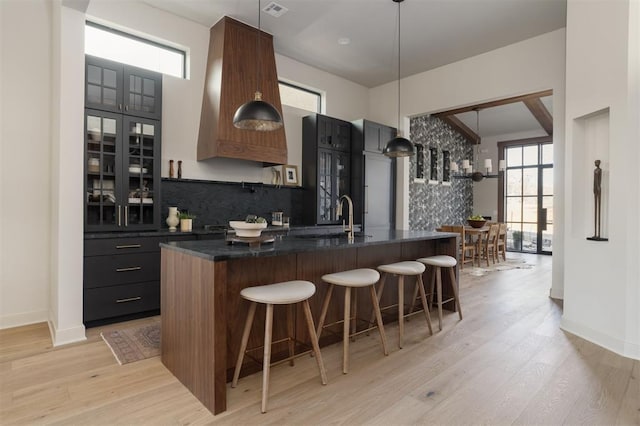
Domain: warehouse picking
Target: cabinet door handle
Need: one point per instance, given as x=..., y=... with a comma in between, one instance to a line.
x=366, y=199
x=126, y=215
x=129, y=299
x=128, y=246
x=119, y=215
x=126, y=107
x=132, y=268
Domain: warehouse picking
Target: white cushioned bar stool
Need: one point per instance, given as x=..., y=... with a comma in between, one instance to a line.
x=355, y=278
x=437, y=263
x=401, y=270
x=284, y=293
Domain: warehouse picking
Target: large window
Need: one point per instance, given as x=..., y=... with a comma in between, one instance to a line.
x=528, y=195
x=299, y=97
x=118, y=46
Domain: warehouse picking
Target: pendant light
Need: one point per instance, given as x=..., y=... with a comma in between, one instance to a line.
x=398, y=146
x=257, y=114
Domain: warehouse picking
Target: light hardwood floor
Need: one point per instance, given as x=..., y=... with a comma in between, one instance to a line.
x=507, y=362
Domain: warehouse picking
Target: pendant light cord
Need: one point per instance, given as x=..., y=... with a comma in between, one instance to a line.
x=258, y=49
x=399, y=20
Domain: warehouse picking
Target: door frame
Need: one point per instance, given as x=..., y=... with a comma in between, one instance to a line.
x=501, y=189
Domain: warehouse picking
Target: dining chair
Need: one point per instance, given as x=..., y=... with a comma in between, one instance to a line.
x=501, y=245
x=489, y=243
x=467, y=248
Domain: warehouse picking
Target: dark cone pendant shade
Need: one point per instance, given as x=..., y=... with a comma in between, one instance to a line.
x=398, y=146
x=257, y=115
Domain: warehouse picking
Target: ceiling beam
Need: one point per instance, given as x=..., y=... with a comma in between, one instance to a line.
x=541, y=113
x=471, y=136
x=492, y=104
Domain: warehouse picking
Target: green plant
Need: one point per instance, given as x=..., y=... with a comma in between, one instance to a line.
x=476, y=217
x=186, y=215
x=255, y=219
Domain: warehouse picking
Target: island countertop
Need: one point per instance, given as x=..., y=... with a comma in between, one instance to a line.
x=218, y=250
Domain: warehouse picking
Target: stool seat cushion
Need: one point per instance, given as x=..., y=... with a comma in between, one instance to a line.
x=280, y=293
x=353, y=278
x=408, y=267
x=442, y=261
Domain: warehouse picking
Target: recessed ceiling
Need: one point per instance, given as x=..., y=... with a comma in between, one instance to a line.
x=433, y=32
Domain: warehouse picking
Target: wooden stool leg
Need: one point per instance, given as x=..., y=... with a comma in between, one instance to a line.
x=345, y=330
x=266, y=362
x=376, y=311
x=423, y=297
x=452, y=276
x=439, y=290
x=243, y=344
x=379, y=291
x=413, y=299
x=354, y=313
x=432, y=283
x=290, y=332
x=400, y=310
x=325, y=307
x=314, y=341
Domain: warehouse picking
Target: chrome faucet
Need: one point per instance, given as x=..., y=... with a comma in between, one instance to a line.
x=349, y=229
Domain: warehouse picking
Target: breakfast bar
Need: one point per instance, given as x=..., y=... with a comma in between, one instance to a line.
x=203, y=313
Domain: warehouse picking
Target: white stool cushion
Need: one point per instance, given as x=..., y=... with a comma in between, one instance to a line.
x=353, y=278
x=280, y=293
x=408, y=267
x=442, y=261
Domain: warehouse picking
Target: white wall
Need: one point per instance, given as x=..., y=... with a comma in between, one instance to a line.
x=25, y=100
x=529, y=66
x=602, y=280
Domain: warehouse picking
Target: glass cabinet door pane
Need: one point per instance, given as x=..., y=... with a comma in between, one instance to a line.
x=140, y=165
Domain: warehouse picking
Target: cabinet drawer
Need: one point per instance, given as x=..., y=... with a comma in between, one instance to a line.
x=101, y=271
x=119, y=300
x=106, y=246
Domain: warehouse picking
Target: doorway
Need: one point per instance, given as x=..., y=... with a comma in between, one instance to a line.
x=526, y=196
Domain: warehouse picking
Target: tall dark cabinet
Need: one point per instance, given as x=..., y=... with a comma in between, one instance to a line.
x=373, y=175
x=326, y=171
x=122, y=147
x=123, y=108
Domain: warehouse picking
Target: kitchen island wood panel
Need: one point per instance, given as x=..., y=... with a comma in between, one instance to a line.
x=203, y=312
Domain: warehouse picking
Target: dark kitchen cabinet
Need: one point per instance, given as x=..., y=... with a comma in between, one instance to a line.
x=120, y=88
x=122, y=172
x=122, y=277
x=123, y=105
x=373, y=175
x=326, y=167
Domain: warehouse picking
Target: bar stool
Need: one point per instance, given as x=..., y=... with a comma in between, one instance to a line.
x=402, y=269
x=439, y=262
x=356, y=278
x=284, y=293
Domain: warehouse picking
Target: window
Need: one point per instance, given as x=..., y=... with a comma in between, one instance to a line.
x=299, y=97
x=118, y=46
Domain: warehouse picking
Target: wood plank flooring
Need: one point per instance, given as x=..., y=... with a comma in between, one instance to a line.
x=506, y=363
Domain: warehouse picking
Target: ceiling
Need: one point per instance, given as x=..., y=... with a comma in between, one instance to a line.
x=433, y=33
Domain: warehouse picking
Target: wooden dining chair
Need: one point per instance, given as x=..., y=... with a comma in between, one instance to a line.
x=501, y=244
x=467, y=248
x=489, y=243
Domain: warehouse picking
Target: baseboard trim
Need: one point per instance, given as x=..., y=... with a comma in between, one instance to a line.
x=23, y=318
x=621, y=347
x=68, y=335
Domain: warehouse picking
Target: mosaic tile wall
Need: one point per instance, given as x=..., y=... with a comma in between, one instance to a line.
x=433, y=205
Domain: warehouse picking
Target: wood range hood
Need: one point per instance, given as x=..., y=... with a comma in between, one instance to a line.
x=230, y=82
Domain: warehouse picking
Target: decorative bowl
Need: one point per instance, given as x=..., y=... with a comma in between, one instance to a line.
x=476, y=223
x=247, y=229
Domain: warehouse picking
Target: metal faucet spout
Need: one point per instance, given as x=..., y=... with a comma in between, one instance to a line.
x=339, y=214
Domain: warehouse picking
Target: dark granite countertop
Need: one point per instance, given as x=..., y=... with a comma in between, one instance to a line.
x=220, y=250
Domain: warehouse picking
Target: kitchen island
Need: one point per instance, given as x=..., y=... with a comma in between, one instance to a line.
x=202, y=313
